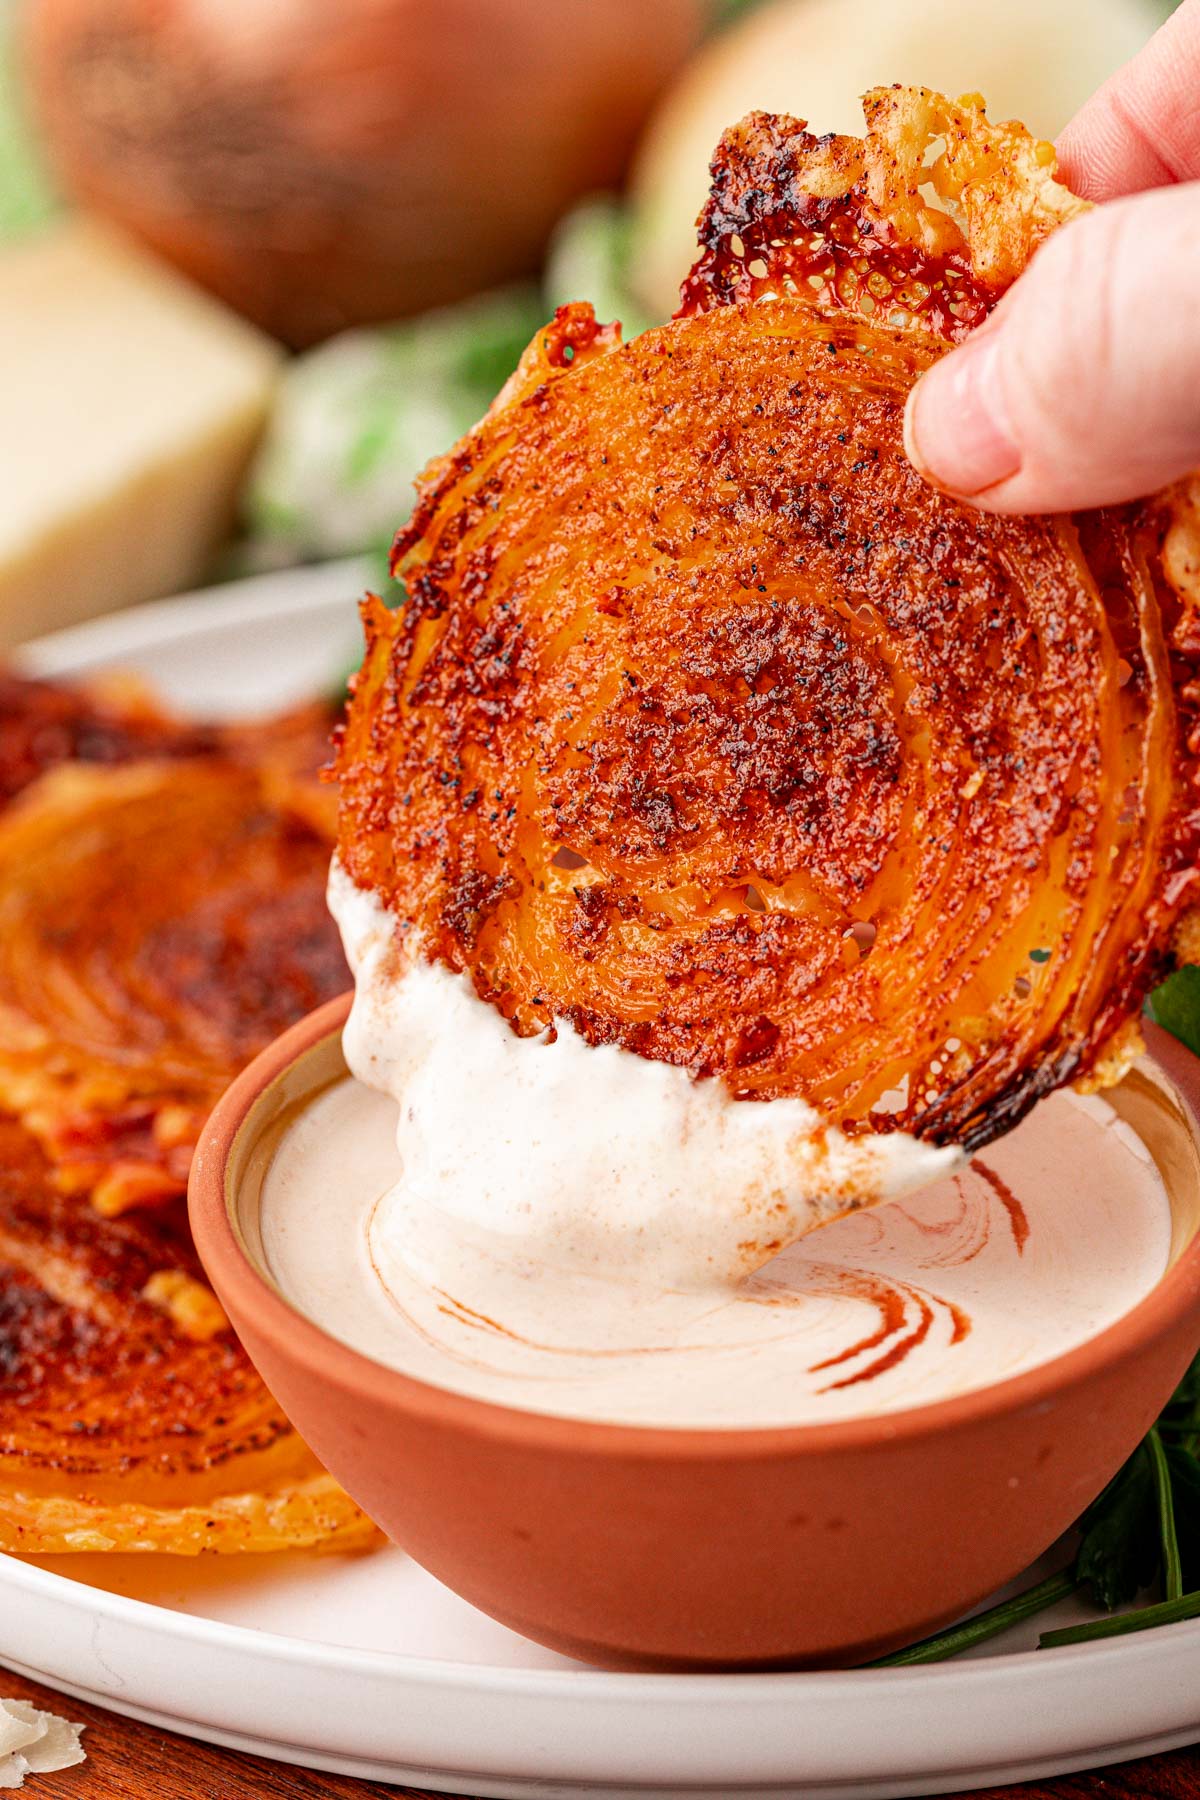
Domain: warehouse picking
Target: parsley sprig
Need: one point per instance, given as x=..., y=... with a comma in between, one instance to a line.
x=1142, y=1531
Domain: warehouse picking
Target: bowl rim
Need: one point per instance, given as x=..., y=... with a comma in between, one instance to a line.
x=325, y=1358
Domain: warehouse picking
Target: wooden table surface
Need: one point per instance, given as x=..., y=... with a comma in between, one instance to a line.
x=138, y=1762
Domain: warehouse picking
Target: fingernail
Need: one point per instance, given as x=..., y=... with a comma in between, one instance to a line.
x=957, y=428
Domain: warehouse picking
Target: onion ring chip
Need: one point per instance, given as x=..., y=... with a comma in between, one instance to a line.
x=160, y=923
x=708, y=727
x=131, y=1418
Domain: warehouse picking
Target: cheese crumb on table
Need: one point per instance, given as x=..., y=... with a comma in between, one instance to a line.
x=35, y=1743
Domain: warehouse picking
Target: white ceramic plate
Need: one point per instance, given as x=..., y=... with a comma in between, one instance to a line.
x=368, y=1666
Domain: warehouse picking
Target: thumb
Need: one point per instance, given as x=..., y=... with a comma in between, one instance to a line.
x=1083, y=388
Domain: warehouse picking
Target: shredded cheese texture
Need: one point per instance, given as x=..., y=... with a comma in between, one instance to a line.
x=35, y=1743
x=192, y=1306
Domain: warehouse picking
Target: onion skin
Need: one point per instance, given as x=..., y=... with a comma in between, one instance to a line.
x=323, y=166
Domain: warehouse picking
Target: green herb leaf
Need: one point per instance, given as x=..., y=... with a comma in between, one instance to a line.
x=1172, y=1476
x=1172, y=1574
x=1176, y=1007
x=1119, y=1551
x=589, y=260
x=985, y=1624
x=1186, y=1398
x=1168, y=1612
x=27, y=197
x=357, y=418
x=1185, y=1492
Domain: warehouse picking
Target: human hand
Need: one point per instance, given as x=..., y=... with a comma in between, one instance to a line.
x=1083, y=388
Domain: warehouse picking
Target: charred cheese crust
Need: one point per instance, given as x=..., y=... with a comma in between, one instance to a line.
x=121, y=1426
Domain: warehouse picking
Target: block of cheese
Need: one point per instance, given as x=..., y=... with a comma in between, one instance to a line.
x=130, y=404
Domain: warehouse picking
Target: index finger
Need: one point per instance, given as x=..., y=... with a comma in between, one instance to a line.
x=1142, y=128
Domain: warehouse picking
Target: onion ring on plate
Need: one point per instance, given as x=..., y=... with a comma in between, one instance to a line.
x=131, y=1418
x=109, y=721
x=162, y=919
x=160, y=923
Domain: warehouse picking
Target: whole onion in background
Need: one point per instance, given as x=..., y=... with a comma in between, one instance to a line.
x=325, y=163
x=1036, y=60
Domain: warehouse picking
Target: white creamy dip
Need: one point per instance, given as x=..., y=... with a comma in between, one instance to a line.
x=581, y=1231
x=866, y=1316
x=587, y=1159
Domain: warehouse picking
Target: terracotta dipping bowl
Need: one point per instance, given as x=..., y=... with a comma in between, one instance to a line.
x=825, y=1544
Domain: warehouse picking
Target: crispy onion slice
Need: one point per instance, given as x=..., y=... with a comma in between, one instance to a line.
x=708, y=727
x=159, y=924
x=117, y=719
x=45, y=723
x=130, y=1417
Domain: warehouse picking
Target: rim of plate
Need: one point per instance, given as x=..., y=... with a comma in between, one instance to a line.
x=613, y=1683
x=134, y=629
